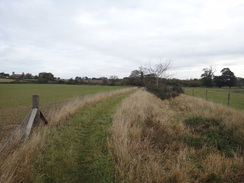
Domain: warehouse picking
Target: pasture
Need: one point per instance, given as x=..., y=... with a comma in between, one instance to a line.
x=15, y=100
x=219, y=95
x=3, y=80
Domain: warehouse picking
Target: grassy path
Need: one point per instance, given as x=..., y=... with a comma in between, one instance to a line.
x=78, y=152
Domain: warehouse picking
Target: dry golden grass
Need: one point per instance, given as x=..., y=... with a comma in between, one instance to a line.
x=18, y=159
x=147, y=141
x=192, y=106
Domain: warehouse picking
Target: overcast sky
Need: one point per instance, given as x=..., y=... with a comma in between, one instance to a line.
x=97, y=38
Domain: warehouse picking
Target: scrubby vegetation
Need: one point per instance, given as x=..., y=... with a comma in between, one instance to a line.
x=164, y=90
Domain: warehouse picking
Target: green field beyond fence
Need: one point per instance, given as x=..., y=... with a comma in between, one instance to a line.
x=16, y=100
x=219, y=95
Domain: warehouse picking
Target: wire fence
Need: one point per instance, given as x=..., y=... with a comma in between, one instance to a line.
x=230, y=98
x=24, y=128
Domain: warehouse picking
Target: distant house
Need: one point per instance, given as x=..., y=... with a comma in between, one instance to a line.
x=18, y=75
x=21, y=76
x=4, y=75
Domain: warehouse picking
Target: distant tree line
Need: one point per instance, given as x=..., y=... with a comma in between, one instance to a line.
x=150, y=76
x=48, y=77
x=227, y=78
x=153, y=77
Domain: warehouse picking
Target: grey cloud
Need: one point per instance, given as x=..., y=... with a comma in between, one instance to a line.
x=114, y=37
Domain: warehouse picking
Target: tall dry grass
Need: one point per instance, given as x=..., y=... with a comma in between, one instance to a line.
x=192, y=106
x=18, y=159
x=147, y=146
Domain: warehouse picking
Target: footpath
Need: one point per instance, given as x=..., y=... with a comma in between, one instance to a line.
x=78, y=150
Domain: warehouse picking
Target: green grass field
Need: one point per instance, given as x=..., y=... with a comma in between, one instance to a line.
x=219, y=95
x=16, y=99
x=2, y=80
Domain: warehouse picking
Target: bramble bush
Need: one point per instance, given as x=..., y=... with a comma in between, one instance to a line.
x=164, y=91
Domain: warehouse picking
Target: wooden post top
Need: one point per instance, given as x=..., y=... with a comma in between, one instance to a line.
x=35, y=101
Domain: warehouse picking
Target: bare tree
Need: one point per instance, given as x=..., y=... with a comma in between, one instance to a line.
x=158, y=70
x=113, y=80
x=208, y=75
x=113, y=77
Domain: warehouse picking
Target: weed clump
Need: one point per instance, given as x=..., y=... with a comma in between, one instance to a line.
x=212, y=133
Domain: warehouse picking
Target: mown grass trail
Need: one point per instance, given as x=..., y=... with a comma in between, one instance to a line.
x=78, y=152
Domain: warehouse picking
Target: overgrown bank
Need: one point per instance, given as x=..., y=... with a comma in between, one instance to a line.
x=184, y=139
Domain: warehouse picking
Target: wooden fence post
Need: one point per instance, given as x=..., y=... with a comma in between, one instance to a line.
x=35, y=101
x=228, y=99
x=30, y=122
x=35, y=104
